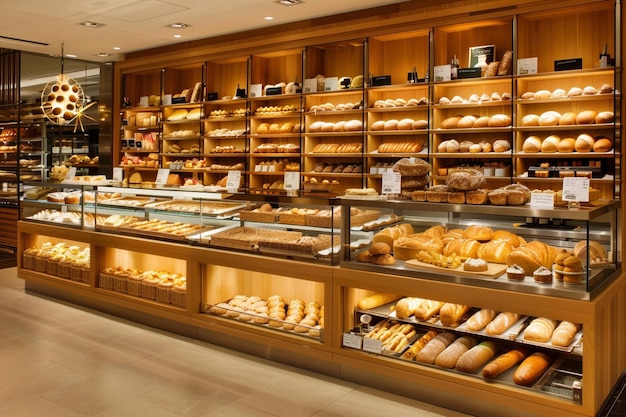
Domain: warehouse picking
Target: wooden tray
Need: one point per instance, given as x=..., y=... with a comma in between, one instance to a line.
x=493, y=270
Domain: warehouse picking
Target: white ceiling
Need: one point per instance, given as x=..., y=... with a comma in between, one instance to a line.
x=141, y=24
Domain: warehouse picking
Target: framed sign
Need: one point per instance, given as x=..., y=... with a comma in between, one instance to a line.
x=481, y=55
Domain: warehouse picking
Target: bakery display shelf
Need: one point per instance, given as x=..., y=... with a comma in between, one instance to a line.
x=559, y=128
x=403, y=109
x=206, y=207
x=411, y=132
x=182, y=154
x=281, y=115
x=572, y=99
x=473, y=130
x=332, y=174
x=275, y=135
x=190, y=137
x=334, y=112
x=141, y=128
x=332, y=155
x=561, y=155
x=475, y=105
x=181, y=122
x=568, y=74
x=254, y=154
x=481, y=81
x=472, y=155
x=334, y=93
x=356, y=133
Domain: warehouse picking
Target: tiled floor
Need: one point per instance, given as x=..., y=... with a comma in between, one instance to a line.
x=61, y=361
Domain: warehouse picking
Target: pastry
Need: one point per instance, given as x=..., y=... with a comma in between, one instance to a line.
x=543, y=275
x=480, y=319
x=451, y=313
x=564, y=334
x=515, y=273
x=540, y=330
x=501, y=323
x=531, y=369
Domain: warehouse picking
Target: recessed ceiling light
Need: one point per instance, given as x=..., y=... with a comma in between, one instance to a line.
x=269, y=18
x=94, y=25
x=289, y=2
x=102, y=54
x=116, y=48
x=178, y=36
x=70, y=55
x=178, y=26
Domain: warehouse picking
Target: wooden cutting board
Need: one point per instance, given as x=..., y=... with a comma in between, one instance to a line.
x=493, y=270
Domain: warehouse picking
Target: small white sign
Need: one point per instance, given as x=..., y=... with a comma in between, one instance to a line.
x=372, y=345
x=331, y=84
x=442, y=72
x=256, y=90
x=162, y=174
x=233, y=180
x=352, y=341
x=118, y=174
x=292, y=180
x=576, y=189
x=527, y=66
x=144, y=101
x=309, y=85
x=71, y=174
x=167, y=99
x=542, y=200
x=391, y=182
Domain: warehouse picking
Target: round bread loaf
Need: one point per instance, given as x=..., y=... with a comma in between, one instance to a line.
x=451, y=122
x=466, y=179
x=413, y=167
x=532, y=144
x=379, y=248
x=584, y=143
x=549, y=118
x=530, y=120
x=466, y=122
x=339, y=126
x=274, y=128
x=419, y=124
x=328, y=127
x=566, y=145
x=482, y=121
x=568, y=118
x=478, y=232
x=286, y=128
x=314, y=127
x=605, y=117
x=452, y=146
x=528, y=95
x=606, y=88
x=264, y=128
x=378, y=125
x=602, y=145
x=559, y=92
x=391, y=124
x=501, y=145
x=465, y=145
x=543, y=94
x=499, y=120
x=475, y=148
x=550, y=144
x=457, y=100
x=353, y=125
x=586, y=117
x=444, y=100
x=521, y=188
x=575, y=91
x=589, y=90
x=405, y=124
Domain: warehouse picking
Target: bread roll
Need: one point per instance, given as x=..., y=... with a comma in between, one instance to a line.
x=564, y=333
x=429, y=353
x=566, y=145
x=391, y=125
x=542, y=94
x=466, y=122
x=558, y=93
x=586, y=117
x=499, y=120
x=419, y=124
x=589, y=90
x=476, y=357
x=427, y=309
x=574, y=92
x=405, y=307
x=376, y=300
x=605, y=117
x=584, y=143
x=405, y=124
x=451, y=313
x=482, y=121
x=480, y=319
x=378, y=125
x=531, y=369
x=451, y=122
x=450, y=355
x=550, y=144
x=504, y=362
x=501, y=323
x=475, y=148
x=568, y=118
x=465, y=145
x=602, y=145
x=530, y=120
x=540, y=330
x=549, y=118
x=501, y=145
x=495, y=251
x=532, y=144
x=478, y=232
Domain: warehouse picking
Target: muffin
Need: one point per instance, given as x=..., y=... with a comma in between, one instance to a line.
x=515, y=273
x=543, y=275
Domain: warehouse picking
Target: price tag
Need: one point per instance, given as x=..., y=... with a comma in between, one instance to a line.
x=542, y=200
x=391, y=182
x=442, y=72
x=372, y=345
x=575, y=189
x=162, y=174
x=71, y=174
x=292, y=180
x=118, y=174
x=352, y=340
x=256, y=90
x=233, y=180
x=331, y=83
x=309, y=85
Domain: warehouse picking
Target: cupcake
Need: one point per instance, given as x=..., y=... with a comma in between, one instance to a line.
x=543, y=275
x=515, y=273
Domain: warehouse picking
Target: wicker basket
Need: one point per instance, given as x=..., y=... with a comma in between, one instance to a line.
x=41, y=263
x=106, y=281
x=64, y=269
x=76, y=273
x=179, y=297
x=258, y=216
x=85, y=275
x=290, y=218
x=120, y=283
x=164, y=294
x=149, y=290
x=133, y=285
x=28, y=260
x=52, y=267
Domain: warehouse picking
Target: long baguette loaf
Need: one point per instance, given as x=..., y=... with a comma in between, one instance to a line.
x=501, y=323
x=474, y=358
x=540, y=330
x=450, y=355
x=450, y=313
x=429, y=353
x=376, y=300
x=504, y=362
x=480, y=319
x=531, y=369
x=564, y=333
x=405, y=307
x=427, y=309
x=411, y=352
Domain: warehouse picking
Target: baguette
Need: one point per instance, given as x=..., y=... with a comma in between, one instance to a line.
x=480, y=319
x=450, y=355
x=427, y=309
x=540, y=330
x=564, y=333
x=376, y=300
x=531, y=369
x=405, y=307
x=504, y=362
x=411, y=352
x=450, y=313
x=501, y=323
x=429, y=353
x=474, y=358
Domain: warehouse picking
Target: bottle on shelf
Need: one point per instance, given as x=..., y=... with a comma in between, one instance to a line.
x=605, y=58
x=454, y=67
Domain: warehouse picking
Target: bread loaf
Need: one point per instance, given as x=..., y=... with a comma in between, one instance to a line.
x=531, y=369
x=540, y=330
x=549, y=118
x=476, y=357
x=451, y=122
x=586, y=117
x=376, y=300
x=451, y=313
x=564, y=333
x=550, y=144
x=478, y=232
x=501, y=323
x=450, y=355
x=411, y=352
x=480, y=319
x=466, y=179
x=499, y=120
x=584, y=143
x=504, y=362
x=602, y=145
x=427, y=309
x=568, y=118
x=495, y=251
x=465, y=248
x=605, y=117
x=566, y=145
x=530, y=120
x=532, y=144
x=405, y=307
x=429, y=353
x=507, y=236
x=466, y=122
x=482, y=121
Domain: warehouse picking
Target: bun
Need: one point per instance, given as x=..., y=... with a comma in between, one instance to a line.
x=532, y=144
x=540, y=330
x=543, y=94
x=531, y=369
x=586, y=117
x=466, y=122
x=589, y=90
x=499, y=120
x=568, y=118
x=602, y=145
x=550, y=144
x=566, y=145
x=530, y=120
x=584, y=143
x=501, y=145
x=605, y=117
x=549, y=118
x=575, y=91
